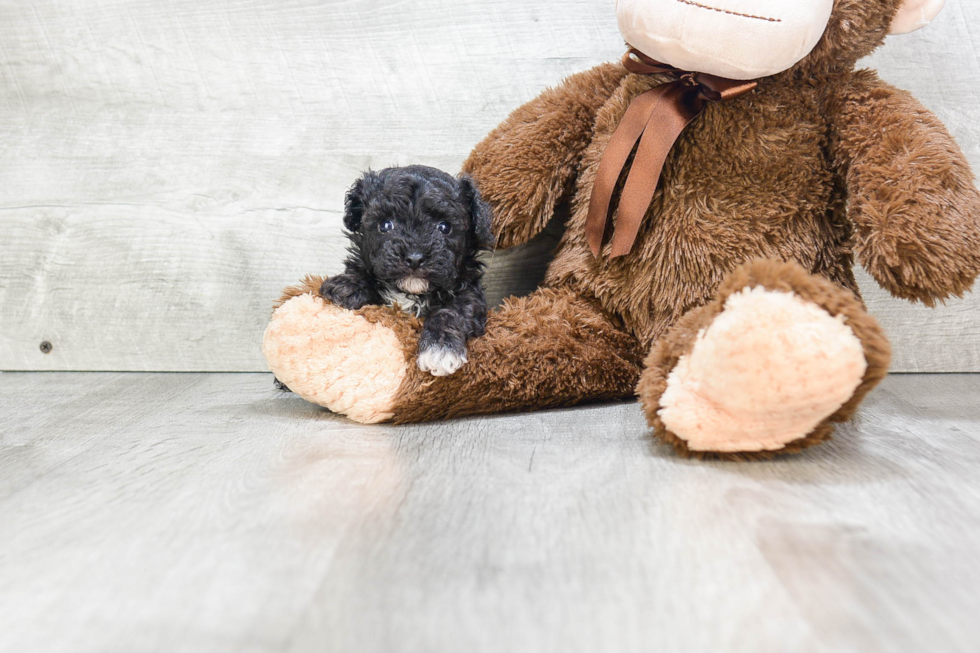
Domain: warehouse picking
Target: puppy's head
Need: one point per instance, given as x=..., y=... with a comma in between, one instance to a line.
x=417, y=228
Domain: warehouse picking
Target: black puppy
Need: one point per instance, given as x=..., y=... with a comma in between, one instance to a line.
x=415, y=233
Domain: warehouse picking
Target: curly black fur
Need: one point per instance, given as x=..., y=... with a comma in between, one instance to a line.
x=412, y=225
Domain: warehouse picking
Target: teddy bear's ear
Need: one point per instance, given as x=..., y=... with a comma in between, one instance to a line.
x=480, y=214
x=915, y=14
x=355, y=201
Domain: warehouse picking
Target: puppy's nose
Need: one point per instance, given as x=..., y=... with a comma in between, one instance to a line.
x=415, y=259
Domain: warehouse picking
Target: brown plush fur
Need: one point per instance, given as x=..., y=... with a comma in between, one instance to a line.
x=917, y=234
x=549, y=135
x=550, y=349
x=814, y=165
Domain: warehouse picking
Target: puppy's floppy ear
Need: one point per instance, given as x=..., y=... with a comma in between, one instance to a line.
x=356, y=200
x=480, y=213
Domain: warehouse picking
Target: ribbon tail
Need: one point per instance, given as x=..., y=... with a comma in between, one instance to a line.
x=614, y=158
x=719, y=89
x=662, y=130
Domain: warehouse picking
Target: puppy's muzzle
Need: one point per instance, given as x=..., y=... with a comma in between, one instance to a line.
x=413, y=285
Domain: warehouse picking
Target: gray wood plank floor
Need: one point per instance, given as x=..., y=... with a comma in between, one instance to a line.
x=206, y=512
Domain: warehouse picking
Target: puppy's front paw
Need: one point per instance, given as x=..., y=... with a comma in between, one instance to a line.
x=441, y=360
x=346, y=291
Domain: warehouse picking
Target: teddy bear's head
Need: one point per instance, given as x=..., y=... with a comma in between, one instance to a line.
x=749, y=39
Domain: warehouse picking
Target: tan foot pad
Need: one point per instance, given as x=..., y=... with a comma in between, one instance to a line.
x=335, y=358
x=765, y=372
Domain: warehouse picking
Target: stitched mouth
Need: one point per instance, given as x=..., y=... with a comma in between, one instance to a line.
x=730, y=13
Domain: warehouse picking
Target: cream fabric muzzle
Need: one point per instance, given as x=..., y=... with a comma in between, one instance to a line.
x=737, y=39
x=741, y=39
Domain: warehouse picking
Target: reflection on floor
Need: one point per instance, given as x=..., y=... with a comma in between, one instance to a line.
x=207, y=512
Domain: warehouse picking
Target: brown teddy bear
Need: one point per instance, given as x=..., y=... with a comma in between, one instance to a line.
x=718, y=190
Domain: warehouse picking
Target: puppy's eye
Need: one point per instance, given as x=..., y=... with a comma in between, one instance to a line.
x=444, y=227
x=386, y=226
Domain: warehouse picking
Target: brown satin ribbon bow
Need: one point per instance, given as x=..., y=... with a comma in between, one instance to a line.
x=655, y=118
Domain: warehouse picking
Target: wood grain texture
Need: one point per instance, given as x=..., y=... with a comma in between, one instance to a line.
x=167, y=167
x=178, y=512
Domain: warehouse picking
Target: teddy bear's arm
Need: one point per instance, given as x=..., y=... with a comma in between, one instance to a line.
x=526, y=166
x=911, y=193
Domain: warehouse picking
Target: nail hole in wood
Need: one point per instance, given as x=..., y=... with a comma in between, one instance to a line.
x=46, y=347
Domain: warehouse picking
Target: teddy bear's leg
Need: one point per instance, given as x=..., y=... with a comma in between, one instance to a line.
x=552, y=348
x=768, y=366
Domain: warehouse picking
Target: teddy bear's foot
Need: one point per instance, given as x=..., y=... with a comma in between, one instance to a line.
x=768, y=366
x=347, y=361
x=768, y=369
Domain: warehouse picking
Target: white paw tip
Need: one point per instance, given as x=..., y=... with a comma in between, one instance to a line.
x=440, y=361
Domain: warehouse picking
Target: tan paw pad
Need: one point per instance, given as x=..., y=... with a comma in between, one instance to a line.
x=765, y=372
x=335, y=358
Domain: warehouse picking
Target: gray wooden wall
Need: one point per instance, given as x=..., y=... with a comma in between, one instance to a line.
x=166, y=166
